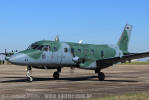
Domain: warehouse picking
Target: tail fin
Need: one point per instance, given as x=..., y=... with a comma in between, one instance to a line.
x=124, y=39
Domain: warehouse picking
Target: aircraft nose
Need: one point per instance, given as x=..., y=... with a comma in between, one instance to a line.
x=18, y=58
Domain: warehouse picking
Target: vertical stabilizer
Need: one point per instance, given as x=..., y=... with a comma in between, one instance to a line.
x=124, y=39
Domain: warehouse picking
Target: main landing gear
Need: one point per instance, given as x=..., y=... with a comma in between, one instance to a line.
x=57, y=73
x=28, y=74
x=101, y=75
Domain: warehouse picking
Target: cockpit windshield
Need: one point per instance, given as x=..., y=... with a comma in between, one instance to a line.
x=39, y=47
x=35, y=46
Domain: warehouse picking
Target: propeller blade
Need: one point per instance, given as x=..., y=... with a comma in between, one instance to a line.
x=5, y=51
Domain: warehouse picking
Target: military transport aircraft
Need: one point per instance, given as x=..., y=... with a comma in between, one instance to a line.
x=56, y=55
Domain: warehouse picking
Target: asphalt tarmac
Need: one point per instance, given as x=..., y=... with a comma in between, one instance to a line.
x=73, y=85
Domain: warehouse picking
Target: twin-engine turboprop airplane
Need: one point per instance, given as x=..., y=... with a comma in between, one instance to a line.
x=56, y=55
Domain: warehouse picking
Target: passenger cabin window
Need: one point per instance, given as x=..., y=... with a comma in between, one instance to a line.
x=55, y=48
x=102, y=53
x=92, y=51
x=65, y=49
x=72, y=50
x=79, y=50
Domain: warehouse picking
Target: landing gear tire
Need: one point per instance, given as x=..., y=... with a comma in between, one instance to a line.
x=101, y=76
x=56, y=75
x=30, y=79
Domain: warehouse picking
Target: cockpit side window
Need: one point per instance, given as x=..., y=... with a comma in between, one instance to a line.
x=40, y=47
x=46, y=48
x=55, y=48
x=35, y=46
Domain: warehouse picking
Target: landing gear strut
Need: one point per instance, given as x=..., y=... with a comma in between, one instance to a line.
x=56, y=74
x=28, y=74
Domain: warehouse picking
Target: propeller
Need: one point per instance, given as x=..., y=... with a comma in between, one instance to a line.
x=77, y=61
x=8, y=54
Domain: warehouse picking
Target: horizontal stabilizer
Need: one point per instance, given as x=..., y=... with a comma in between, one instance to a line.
x=124, y=58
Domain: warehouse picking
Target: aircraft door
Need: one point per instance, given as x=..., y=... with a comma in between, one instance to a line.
x=56, y=54
x=45, y=54
x=86, y=52
x=67, y=54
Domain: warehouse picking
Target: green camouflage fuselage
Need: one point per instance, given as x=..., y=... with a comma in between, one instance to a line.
x=63, y=54
x=54, y=54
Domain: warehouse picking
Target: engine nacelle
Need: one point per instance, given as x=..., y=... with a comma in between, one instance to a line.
x=76, y=59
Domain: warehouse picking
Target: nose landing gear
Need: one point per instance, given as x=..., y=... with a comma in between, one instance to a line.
x=28, y=74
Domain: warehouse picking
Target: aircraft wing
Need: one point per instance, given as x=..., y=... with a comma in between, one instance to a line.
x=127, y=57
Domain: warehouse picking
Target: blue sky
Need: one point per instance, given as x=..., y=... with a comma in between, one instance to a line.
x=23, y=22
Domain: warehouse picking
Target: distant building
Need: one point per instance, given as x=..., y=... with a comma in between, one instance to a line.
x=134, y=60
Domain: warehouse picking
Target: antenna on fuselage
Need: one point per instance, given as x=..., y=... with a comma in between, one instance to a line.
x=81, y=41
x=57, y=38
